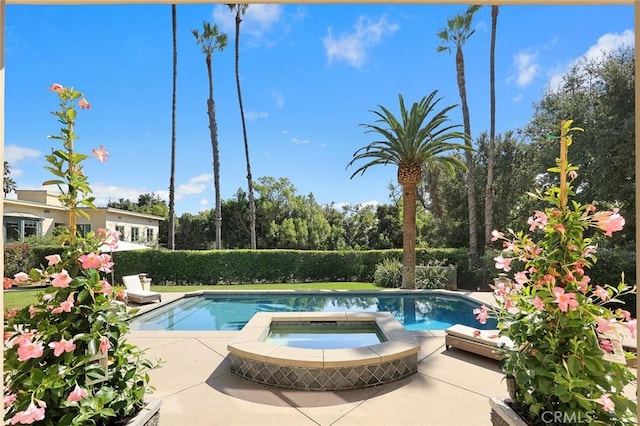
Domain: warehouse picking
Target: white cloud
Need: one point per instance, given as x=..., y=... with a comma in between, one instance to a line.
x=14, y=154
x=196, y=185
x=299, y=141
x=254, y=115
x=606, y=44
x=517, y=98
x=278, y=98
x=353, y=48
x=527, y=68
x=203, y=204
x=258, y=20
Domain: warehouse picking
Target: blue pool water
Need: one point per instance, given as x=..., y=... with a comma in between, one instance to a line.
x=225, y=311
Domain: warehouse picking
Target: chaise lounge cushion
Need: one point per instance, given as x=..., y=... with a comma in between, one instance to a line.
x=135, y=292
x=482, y=342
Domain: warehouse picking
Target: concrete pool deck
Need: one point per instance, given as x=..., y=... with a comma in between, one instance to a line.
x=196, y=386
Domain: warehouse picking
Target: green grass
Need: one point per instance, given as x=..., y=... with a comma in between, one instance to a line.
x=287, y=286
x=20, y=298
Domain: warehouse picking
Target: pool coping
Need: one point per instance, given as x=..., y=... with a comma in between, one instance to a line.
x=249, y=342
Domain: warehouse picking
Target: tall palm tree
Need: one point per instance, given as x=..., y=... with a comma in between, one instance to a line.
x=488, y=196
x=457, y=33
x=241, y=9
x=409, y=144
x=172, y=179
x=211, y=40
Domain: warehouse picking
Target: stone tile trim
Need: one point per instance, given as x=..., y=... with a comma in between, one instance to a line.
x=322, y=379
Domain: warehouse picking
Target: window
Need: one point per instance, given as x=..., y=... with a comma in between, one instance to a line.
x=83, y=230
x=120, y=229
x=16, y=228
x=135, y=235
x=149, y=235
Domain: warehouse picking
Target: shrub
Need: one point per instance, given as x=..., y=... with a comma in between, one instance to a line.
x=17, y=257
x=388, y=274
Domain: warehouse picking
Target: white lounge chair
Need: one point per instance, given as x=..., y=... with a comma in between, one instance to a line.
x=482, y=342
x=135, y=292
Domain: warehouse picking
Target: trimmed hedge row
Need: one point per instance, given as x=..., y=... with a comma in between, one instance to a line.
x=271, y=266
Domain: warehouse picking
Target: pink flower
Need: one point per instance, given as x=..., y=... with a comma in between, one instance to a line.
x=11, y=312
x=538, y=220
x=32, y=311
x=61, y=279
x=538, y=303
x=601, y=293
x=29, y=349
x=603, y=325
x=9, y=399
x=55, y=87
x=90, y=261
x=83, y=104
x=573, y=174
x=106, y=287
x=105, y=263
x=481, y=314
x=101, y=154
x=565, y=301
x=8, y=283
x=496, y=235
x=30, y=415
x=606, y=402
x=502, y=263
x=521, y=277
x=631, y=325
x=64, y=306
x=606, y=346
x=77, y=394
x=53, y=259
x=582, y=285
x=62, y=346
x=21, y=277
x=626, y=315
x=104, y=344
x=549, y=279
x=609, y=221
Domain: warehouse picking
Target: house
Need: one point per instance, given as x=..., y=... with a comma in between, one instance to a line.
x=38, y=212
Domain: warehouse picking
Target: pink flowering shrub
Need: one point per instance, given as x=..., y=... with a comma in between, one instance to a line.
x=65, y=357
x=556, y=316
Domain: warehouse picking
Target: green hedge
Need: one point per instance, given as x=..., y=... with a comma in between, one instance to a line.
x=271, y=266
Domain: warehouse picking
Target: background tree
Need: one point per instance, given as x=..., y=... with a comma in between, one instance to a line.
x=8, y=184
x=211, y=40
x=598, y=94
x=457, y=33
x=240, y=10
x=172, y=179
x=409, y=144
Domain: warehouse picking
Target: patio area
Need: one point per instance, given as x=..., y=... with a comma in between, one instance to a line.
x=451, y=387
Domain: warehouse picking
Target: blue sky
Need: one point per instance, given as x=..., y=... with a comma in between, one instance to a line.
x=310, y=74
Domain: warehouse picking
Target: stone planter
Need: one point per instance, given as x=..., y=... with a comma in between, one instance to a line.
x=503, y=415
x=149, y=415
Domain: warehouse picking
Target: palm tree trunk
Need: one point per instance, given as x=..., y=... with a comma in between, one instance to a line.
x=488, y=196
x=468, y=155
x=409, y=235
x=252, y=202
x=213, y=128
x=172, y=178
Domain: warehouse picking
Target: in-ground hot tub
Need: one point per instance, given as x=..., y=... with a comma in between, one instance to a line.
x=392, y=357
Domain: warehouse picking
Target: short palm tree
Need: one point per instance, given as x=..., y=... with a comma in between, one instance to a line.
x=409, y=144
x=210, y=39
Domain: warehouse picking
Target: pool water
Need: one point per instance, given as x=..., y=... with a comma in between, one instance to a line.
x=325, y=334
x=231, y=311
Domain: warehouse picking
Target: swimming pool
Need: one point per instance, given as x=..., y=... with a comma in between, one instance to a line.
x=230, y=311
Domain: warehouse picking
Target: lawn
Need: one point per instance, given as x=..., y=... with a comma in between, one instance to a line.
x=24, y=297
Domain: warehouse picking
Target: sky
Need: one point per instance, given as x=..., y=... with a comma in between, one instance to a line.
x=310, y=75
